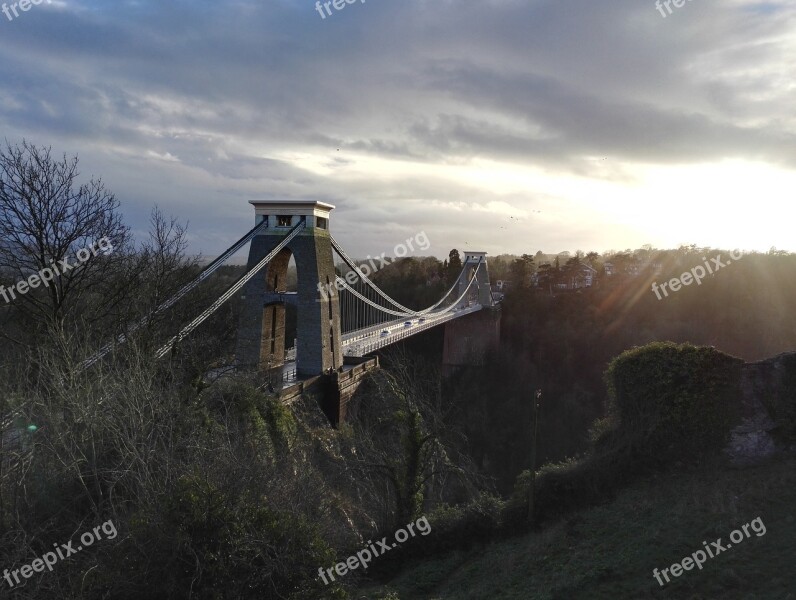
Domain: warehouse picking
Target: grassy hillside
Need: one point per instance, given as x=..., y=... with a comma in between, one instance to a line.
x=609, y=552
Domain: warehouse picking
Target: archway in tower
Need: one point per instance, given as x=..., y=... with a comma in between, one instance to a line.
x=472, y=294
x=291, y=287
x=279, y=315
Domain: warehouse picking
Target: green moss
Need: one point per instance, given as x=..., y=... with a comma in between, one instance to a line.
x=674, y=401
x=264, y=422
x=280, y=422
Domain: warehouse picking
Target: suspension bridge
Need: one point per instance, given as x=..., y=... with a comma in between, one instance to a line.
x=342, y=316
x=339, y=314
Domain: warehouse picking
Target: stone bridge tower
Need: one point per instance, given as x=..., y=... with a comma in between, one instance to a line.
x=261, y=335
x=470, y=339
x=484, y=286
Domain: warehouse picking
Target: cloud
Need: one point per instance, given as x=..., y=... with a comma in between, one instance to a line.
x=442, y=116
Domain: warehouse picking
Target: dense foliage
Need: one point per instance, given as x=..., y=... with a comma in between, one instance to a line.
x=674, y=401
x=219, y=490
x=563, y=343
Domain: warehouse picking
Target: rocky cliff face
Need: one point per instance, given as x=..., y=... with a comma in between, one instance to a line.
x=768, y=405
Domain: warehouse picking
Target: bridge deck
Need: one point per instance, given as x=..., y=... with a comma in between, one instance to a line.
x=364, y=341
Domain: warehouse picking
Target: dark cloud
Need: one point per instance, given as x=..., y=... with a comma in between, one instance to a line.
x=200, y=105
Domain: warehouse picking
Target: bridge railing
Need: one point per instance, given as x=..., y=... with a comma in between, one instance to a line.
x=401, y=334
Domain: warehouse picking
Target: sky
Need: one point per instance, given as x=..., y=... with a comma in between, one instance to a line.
x=505, y=126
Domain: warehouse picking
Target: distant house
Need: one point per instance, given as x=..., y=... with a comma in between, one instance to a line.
x=636, y=269
x=585, y=277
x=625, y=267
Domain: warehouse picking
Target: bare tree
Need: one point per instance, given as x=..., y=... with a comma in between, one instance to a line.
x=46, y=218
x=157, y=270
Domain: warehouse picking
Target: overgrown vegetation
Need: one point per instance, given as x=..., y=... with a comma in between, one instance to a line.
x=610, y=551
x=667, y=403
x=672, y=402
x=780, y=400
x=563, y=344
x=219, y=490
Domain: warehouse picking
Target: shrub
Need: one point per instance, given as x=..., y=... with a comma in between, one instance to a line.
x=569, y=485
x=452, y=528
x=220, y=545
x=462, y=526
x=666, y=402
x=781, y=401
x=674, y=401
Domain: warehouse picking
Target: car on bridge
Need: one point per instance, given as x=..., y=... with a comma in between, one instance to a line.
x=421, y=320
x=385, y=332
x=407, y=323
